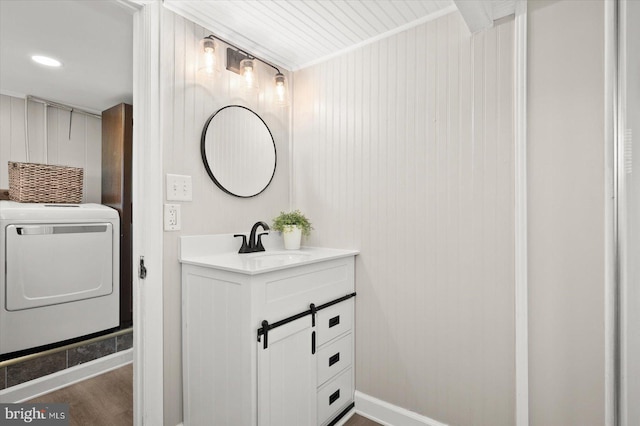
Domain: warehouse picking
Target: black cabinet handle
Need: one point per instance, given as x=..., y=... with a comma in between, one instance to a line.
x=265, y=334
x=312, y=308
x=313, y=342
x=334, y=396
x=334, y=321
x=334, y=359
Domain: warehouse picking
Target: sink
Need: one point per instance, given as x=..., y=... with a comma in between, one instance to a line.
x=221, y=252
x=273, y=259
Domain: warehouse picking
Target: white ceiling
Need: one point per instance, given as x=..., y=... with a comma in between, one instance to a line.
x=297, y=33
x=93, y=39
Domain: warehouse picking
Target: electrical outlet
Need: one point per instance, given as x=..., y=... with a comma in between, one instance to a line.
x=172, y=217
x=179, y=188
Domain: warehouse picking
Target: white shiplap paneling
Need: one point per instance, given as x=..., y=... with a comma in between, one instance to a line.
x=297, y=33
x=187, y=100
x=404, y=149
x=82, y=149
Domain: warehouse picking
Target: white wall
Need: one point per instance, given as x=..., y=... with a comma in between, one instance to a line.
x=187, y=101
x=83, y=149
x=404, y=149
x=566, y=163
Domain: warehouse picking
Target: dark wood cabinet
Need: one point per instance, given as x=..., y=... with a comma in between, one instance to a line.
x=117, y=138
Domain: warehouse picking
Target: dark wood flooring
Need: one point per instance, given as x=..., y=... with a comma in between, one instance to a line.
x=357, y=420
x=107, y=400
x=104, y=400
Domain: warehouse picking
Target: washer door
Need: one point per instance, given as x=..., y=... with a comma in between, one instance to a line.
x=49, y=264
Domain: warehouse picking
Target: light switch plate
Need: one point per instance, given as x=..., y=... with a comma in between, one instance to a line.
x=172, y=217
x=179, y=188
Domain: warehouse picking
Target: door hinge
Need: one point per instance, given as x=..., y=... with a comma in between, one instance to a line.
x=142, y=271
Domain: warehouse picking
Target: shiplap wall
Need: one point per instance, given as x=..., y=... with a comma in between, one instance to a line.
x=404, y=149
x=187, y=100
x=83, y=149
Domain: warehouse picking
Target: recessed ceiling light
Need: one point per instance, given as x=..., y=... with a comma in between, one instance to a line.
x=45, y=60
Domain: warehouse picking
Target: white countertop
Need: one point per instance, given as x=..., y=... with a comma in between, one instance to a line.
x=219, y=252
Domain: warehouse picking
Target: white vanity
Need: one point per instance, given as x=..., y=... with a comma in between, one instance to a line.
x=267, y=337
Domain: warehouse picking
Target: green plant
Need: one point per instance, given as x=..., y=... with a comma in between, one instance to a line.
x=292, y=218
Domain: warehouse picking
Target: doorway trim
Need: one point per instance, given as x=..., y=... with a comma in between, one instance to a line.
x=147, y=217
x=611, y=217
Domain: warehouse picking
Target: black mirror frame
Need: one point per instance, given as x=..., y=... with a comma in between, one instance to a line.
x=206, y=162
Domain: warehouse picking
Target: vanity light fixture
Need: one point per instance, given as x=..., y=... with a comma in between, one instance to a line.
x=243, y=63
x=45, y=60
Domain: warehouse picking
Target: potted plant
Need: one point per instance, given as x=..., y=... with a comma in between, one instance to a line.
x=293, y=226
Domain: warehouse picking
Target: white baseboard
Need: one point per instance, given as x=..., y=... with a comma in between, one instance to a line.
x=384, y=413
x=388, y=414
x=342, y=421
x=43, y=385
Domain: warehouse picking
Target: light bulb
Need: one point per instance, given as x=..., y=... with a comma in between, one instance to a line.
x=208, y=56
x=248, y=76
x=248, y=72
x=209, y=61
x=282, y=93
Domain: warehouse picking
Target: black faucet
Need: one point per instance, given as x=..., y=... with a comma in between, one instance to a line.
x=255, y=243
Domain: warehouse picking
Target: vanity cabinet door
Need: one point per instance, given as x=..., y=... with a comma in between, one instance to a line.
x=287, y=376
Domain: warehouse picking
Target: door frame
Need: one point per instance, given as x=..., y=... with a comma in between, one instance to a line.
x=147, y=216
x=611, y=218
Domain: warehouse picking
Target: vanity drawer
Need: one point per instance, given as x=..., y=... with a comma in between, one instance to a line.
x=289, y=292
x=334, y=396
x=334, y=320
x=334, y=357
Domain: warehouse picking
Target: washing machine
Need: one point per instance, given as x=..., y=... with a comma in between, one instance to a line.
x=59, y=274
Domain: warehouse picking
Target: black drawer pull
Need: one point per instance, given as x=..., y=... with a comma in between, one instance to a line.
x=334, y=321
x=334, y=396
x=334, y=359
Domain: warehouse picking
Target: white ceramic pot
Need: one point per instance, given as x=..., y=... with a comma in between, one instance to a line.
x=292, y=236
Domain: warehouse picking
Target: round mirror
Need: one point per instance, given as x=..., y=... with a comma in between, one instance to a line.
x=238, y=151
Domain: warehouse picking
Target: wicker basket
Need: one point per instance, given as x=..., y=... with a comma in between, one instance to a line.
x=43, y=183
